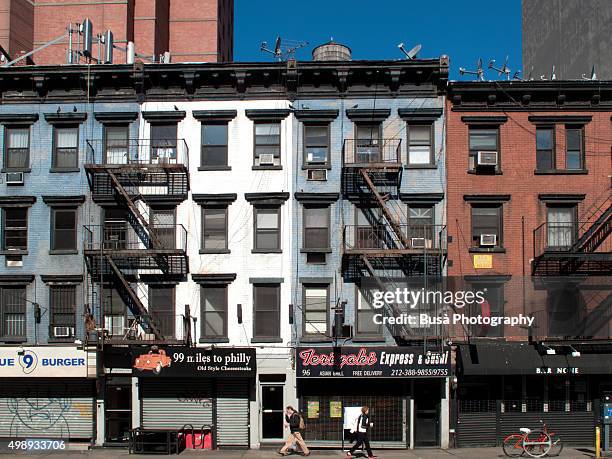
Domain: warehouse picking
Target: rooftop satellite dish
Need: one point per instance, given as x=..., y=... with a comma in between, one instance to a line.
x=412, y=54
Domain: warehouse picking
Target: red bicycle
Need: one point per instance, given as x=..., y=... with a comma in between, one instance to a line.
x=536, y=443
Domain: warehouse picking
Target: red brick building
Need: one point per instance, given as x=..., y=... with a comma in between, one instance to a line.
x=529, y=169
x=192, y=30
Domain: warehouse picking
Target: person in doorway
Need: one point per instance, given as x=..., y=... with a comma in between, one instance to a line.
x=362, y=428
x=296, y=425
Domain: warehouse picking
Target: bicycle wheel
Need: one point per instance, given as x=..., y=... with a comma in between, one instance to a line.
x=537, y=443
x=513, y=445
x=556, y=446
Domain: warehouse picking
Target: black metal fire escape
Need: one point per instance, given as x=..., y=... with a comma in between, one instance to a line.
x=112, y=256
x=385, y=251
x=581, y=252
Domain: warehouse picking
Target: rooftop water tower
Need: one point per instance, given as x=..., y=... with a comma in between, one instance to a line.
x=331, y=51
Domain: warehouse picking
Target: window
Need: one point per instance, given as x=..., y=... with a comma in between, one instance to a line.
x=487, y=220
x=114, y=311
x=214, y=228
x=65, y=152
x=117, y=236
x=13, y=313
x=15, y=228
x=267, y=229
x=16, y=148
x=163, y=224
x=62, y=323
x=316, y=145
x=421, y=221
x=267, y=144
x=316, y=228
x=420, y=144
x=482, y=139
x=161, y=307
x=214, y=312
x=266, y=324
x=214, y=145
x=163, y=142
x=63, y=229
x=116, y=145
x=574, y=154
x=368, y=143
x=315, y=306
x=365, y=312
x=561, y=227
x=545, y=149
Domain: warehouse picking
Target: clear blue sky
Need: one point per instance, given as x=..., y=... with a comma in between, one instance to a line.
x=463, y=29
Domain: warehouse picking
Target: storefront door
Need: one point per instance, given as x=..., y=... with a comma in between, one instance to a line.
x=427, y=413
x=272, y=411
x=118, y=410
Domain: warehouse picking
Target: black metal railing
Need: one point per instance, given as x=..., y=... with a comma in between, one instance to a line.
x=138, y=152
x=371, y=151
x=566, y=237
x=121, y=236
x=384, y=237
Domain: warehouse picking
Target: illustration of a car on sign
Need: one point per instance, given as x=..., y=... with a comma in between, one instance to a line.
x=153, y=361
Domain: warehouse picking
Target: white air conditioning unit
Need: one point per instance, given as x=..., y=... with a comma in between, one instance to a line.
x=487, y=159
x=266, y=159
x=319, y=175
x=420, y=243
x=14, y=178
x=488, y=240
x=63, y=332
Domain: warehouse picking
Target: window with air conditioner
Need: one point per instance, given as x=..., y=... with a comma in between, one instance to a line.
x=483, y=149
x=14, y=178
x=267, y=145
x=62, y=310
x=421, y=226
x=487, y=225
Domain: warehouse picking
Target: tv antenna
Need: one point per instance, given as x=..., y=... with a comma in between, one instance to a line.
x=593, y=75
x=412, y=54
x=503, y=70
x=283, y=49
x=479, y=72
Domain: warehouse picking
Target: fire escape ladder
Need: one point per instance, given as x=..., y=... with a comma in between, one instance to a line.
x=134, y=303
x=401, y=237
x=598, y=317
x=596, y=233
x=395, y=330
x=147, y=233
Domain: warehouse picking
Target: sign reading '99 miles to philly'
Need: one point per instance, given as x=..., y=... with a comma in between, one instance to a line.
x=363, y=362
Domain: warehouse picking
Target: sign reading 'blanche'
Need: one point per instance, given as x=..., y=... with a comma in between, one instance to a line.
x=183, y=361
x=43, y=362
x=364, y=362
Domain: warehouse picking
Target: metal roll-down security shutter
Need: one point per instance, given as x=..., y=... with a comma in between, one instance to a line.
x=47, y=408
x=170, y=404
x=232, y=413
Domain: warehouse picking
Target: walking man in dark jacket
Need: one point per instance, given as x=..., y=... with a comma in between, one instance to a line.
x=293, y=418
x=362, y=428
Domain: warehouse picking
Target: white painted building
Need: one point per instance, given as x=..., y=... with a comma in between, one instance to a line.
x=254, y=195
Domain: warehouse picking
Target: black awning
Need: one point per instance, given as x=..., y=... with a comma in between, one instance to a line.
x=526, y=359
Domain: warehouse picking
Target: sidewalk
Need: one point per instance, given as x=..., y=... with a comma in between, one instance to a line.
x=463, y=453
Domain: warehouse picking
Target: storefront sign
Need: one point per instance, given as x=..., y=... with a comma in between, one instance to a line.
x=43, y=362
x=364, y=362
x=182, y=361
